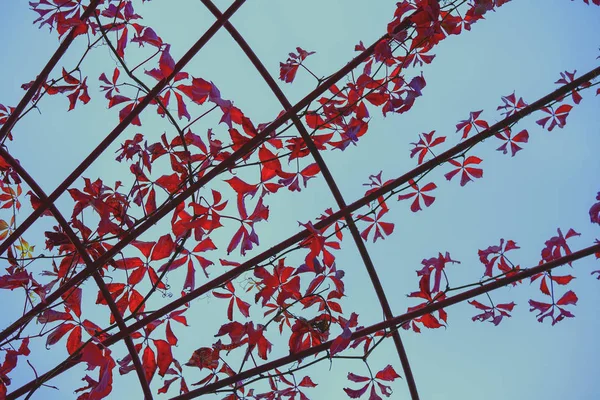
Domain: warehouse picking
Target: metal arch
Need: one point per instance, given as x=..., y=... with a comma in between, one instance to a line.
x=331, y=183
x=342, y=213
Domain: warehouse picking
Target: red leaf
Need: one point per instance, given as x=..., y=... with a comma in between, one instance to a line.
x=128, y=263
x=355, y=394
x=72, y=300
x=544, y=287
x=163, y=249
x=74, y=340
x=287, y=72
x=387, y=374
x=164, y=356
x=429, y=321
x=374, y=395
x=58, y=333
x=562, y=280
x=241, y=187
x=149, y=363
x=339, y=344
x=205, y=245
x=507, y=306
x=568, y=298
x=357, y=378
x=307, y=382
x=135, y=299
x=243, y=307
x=51, y=316
x=171, y=338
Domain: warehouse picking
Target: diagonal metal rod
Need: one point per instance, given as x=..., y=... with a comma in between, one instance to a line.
x=248, y=265
x=41, y=78
x=39, y=192
x=392, y=323
x=77, y=172
x=362, y=249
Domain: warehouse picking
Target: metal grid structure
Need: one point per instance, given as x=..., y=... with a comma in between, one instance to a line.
x=93, y=264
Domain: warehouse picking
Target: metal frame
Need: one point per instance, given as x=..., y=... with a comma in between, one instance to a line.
x=391, y=322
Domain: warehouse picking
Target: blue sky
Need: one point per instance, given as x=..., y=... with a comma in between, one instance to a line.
x=550, y=184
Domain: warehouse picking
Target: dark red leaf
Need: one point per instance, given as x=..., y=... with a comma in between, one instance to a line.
x=149, y=363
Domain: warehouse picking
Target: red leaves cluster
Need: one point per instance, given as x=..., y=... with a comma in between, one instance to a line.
x=511, y=105
x=380, y=226
x=287, y=70
x=120, y=16
x=557, y=117
x=567, y=77
x=546, y=310
x=430, y=291
x=95, y=357
x=165, y=71
x=309, y=333
x=387, y=374
x=555, y=247
x=160, y=359
x=293, y=388
x=494, y=256
x=472, y=122
x=424, y=145
x=9, y=197
x=505, y=135
x=242, y=306
x=466, y=168
x=493, y=313
x=341, y=342
x=76, y=88
x=418, y=194
x=283, y=282
x=63, y=15
x=241, y=334
x=281, y=385
x=110, y=205
x=5, y=112
x=10, y=362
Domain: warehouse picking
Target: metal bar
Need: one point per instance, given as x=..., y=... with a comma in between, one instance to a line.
x=362, y=249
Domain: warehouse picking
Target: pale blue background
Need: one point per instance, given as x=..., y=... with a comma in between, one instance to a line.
x=550, y=184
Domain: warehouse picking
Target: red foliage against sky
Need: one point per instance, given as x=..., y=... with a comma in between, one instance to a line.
x=283, y=304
